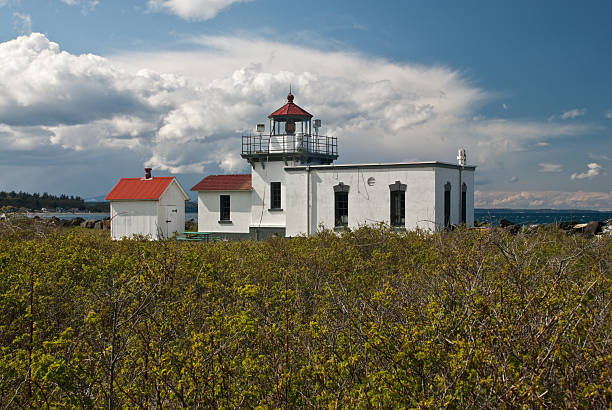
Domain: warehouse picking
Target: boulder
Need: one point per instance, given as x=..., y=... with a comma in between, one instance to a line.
x=83, y=224
x=568, y=225
x=54, y=220
x=504, y=223
x=513, y=229
x=98, y=225
x=76, y=221
x=90, y=224
x=607, y=229
x=592, y=228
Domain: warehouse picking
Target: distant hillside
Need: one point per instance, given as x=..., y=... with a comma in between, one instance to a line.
x=38, y=201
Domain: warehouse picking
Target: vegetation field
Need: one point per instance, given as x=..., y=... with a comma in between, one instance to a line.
x=369, y=318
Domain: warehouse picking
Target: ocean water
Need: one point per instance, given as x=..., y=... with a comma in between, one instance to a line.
x=538, y=216
x=518, y=216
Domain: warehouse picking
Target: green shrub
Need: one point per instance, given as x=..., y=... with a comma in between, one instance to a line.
x=368, y=318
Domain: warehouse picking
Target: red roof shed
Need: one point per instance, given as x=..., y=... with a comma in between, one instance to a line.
x=139, y=189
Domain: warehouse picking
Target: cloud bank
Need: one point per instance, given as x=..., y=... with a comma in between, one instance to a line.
x=548, y=199
x=188, y=117
x=191, y=9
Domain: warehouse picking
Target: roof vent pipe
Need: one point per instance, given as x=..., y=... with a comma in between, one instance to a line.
x=148, y=173
x=461, y=157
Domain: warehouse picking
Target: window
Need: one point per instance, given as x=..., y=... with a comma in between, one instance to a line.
x=275, y=195
x=398, y=204
x=463, y=203
x=224, y=208
x=341, y=205
x=447, y=204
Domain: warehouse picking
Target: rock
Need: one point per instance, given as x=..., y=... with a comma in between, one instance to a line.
x=106, y=224
x=568, y=225
x=76, y=221
x=592, y=228
x=90, y=224
x=83, y=224
x=504, y=223
x=513, y=229
x=98, y=225
x=54, y=220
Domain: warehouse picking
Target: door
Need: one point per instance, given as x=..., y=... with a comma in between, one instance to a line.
x=171, y=221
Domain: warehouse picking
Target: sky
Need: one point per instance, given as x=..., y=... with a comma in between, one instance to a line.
x=94, y=90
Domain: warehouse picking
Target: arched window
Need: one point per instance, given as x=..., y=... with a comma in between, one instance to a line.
x=463, y=203
x=398, y=204
x=341, y=205
x=447, y=204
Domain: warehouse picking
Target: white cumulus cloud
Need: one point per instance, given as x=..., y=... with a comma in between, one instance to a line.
x=185, y=111
x=593, y=170
x=191, y=9
x=548, y=167
x=575, y=113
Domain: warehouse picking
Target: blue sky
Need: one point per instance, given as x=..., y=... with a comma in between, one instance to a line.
x=93, y=90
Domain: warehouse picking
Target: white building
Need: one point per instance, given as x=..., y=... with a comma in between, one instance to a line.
x=149, y=206
x=294, y=188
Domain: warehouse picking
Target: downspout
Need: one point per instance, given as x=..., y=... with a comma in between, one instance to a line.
x=308, y=200
x=461, y=197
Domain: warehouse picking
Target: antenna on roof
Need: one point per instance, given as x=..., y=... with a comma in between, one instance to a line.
x=289, y=88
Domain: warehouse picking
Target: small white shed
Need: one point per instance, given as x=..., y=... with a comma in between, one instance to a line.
x=149, y=206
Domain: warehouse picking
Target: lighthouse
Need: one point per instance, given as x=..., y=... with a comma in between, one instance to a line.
x=295, y=187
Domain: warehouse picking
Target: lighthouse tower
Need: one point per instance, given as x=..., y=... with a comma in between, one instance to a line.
x=290, y=139
x=293, y=140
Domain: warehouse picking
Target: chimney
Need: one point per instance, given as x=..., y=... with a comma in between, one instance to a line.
x=148, y=173
x=461, y=157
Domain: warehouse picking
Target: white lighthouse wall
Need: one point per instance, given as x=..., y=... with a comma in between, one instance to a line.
x=368, y=204
x=129, y=218
x=467, y=176
x=209, y=212
x=444, y=176
x=172, y=198
x=263, y=173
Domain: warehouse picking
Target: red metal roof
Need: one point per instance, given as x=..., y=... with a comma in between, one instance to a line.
x=290, y=109
x=139, y=188
x=237, y=182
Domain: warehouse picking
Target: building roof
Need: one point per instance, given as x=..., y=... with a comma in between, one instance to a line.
x=139, y=188
x=290, y=109
x=427, y=164
x=236, y=182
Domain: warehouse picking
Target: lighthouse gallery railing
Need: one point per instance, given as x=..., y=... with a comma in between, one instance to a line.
x=289, y=144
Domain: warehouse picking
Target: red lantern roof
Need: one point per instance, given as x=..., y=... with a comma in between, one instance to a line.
x=139, y=189
x=290, y=109
x=237, y=182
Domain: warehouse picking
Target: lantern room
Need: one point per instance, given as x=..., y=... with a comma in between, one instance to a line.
x=287, y=118
x=290, y=138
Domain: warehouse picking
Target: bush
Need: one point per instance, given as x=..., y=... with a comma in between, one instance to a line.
x=365, y=319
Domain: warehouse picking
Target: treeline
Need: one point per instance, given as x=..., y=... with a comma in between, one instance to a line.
x=370, y=318
x=38, y=201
